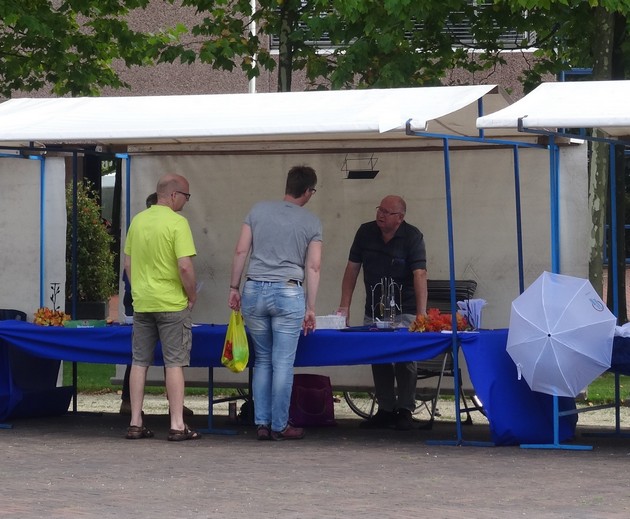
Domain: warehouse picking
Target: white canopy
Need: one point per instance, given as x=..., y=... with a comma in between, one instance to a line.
x=580, y=104
x=210, y=118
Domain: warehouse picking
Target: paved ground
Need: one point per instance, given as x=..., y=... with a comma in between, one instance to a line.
x=80, y=466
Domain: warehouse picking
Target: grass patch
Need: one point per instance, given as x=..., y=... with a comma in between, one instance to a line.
x=602, y=389
x=96, y=378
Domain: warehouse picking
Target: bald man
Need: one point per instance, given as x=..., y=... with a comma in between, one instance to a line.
x=389, y=248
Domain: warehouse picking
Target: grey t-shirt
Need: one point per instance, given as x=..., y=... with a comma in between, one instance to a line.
x=281, y=233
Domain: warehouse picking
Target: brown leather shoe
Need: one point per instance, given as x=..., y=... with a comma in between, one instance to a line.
x=289, y=433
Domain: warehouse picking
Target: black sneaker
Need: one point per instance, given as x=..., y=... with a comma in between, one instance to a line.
x=263, y=432
x=404, y=420
x=381, y=420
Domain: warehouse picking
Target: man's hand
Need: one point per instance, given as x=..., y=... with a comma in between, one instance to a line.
x=309, y=322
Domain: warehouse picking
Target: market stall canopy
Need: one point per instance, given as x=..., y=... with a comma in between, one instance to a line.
x=345, y=114
x=580, y=104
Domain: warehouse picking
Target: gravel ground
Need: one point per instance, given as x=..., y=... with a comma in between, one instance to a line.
x=157, y=404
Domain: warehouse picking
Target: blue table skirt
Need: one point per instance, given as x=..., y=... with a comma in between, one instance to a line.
x=620, y=360
x=515, y=412
x=112, y=345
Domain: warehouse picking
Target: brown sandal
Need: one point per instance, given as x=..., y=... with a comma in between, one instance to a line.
x=137, y=432
x=175, y=435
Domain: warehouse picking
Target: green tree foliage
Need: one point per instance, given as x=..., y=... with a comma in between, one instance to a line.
x=392, y=43
x=68, y=47
x=372, y=44
x=569, y=34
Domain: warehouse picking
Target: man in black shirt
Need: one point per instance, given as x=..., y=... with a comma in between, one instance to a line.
x=393, y=255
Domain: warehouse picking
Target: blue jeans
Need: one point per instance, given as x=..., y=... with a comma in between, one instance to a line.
x=273, y=314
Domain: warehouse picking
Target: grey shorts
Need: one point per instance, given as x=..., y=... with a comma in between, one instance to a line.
x=172, y=329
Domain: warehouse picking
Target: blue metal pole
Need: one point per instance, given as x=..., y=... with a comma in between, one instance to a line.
x=480, y=114
x=519, y=224
x=75, y=231
x=42, y=233
x=613, y=229
x=127, y=158
x=451, y=269
x=554, y=205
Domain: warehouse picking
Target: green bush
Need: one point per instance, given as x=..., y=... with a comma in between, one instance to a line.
x=96, y=277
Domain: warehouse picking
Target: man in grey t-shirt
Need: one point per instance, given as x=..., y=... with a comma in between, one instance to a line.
x=284, y=242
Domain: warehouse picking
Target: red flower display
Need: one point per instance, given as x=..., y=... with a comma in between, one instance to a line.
x=435, y=321
x=48, y=317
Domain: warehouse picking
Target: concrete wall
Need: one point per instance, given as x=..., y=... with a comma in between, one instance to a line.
x=224, y=187
x=32, y=260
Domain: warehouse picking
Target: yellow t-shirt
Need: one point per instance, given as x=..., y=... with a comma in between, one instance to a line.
x=157, y=238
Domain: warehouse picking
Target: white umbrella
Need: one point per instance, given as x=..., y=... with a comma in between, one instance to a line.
x=560, y=335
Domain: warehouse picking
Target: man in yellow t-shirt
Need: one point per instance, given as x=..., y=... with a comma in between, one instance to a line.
x=158, y=262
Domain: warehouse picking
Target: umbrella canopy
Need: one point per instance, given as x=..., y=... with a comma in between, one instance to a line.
x=560, y=335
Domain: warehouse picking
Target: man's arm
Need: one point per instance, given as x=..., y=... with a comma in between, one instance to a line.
x=243, y=246
x=187, y=276
x=313, y=265
x=127, y=267
x=420, y=290
x=348, y=283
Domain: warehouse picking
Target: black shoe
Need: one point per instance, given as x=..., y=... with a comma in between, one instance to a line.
x=404, y=420
x=381, y=420
x=263, y=432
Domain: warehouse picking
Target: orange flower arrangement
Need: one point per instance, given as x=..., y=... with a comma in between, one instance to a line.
x=435, y=321
x=48, y=317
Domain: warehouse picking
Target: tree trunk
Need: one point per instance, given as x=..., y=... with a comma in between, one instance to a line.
x=599, y=164
x=618, y=65
x=597, y=197
x=285, y=50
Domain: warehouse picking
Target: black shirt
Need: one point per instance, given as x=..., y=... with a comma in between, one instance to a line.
x=397, y=260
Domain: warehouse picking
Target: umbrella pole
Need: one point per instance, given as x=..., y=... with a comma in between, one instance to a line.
x=556, y=434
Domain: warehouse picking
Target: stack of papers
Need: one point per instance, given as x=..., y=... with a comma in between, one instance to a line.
x=330, y=322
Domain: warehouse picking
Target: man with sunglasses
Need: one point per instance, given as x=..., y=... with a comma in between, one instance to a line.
x=158, y=262
x=391, y=252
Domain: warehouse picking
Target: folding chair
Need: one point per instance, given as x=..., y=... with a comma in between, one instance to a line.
x=439, y=367
x=439, y=296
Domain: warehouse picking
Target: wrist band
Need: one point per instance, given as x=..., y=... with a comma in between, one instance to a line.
x=235, y=287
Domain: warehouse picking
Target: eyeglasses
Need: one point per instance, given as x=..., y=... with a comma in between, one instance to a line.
x=385, y=212
x=187, y=195
x=312, y=190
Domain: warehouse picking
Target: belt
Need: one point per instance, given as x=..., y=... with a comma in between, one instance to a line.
x=289, y=281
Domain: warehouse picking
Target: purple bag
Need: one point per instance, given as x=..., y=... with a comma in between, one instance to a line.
x=312, y=401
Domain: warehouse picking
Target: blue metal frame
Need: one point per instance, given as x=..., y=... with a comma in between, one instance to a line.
x=554, y=173
x=459, y=441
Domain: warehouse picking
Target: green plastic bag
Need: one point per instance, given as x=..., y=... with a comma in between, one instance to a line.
x=235, y=348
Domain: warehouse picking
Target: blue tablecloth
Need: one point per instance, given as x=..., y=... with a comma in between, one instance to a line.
x=620, y=360
x=515, y=412
x=112, y=345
